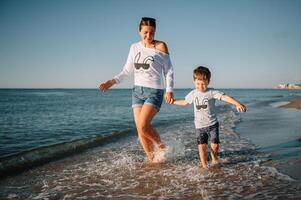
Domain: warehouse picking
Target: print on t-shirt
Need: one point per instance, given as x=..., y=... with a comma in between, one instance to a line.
x=145, y=64
x=201, y=106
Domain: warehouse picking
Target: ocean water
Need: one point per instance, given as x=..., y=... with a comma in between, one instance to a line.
x=82, y=144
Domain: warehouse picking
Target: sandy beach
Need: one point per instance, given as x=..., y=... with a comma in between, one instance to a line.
x=293, y=170
x=293, y=104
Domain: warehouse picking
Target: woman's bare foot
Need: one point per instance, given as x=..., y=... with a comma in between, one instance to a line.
x=215, y=162
x=150, y=156
x=159, y=156
x=161, y=147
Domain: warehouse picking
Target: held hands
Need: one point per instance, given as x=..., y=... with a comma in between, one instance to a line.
x=106, y=85
x=169, y=97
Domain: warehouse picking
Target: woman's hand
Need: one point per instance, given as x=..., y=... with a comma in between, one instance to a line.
x=106, y=85
x=169, y=97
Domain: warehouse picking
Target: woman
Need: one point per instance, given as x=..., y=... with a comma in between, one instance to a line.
x=149, y=60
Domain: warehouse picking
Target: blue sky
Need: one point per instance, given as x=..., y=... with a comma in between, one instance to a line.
x=77, y=44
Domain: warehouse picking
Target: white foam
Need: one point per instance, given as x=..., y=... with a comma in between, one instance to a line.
x=120, y=172
x=12, y=196
x=174, y=149
x=278, y=104
x=276, y=173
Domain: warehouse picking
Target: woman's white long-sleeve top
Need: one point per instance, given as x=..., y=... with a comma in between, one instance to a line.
x=152, y=68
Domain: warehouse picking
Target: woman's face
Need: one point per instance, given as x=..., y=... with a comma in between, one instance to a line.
x=147, y=34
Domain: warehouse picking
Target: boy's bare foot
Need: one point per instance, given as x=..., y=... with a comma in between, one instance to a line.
x=204, y=166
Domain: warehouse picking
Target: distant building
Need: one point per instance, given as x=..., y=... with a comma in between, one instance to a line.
x=288, y=86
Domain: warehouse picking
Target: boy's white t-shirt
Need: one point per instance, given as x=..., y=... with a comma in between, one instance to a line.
x=150, y=66
x=204, y=106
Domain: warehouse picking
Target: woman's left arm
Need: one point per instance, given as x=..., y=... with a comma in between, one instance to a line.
x=168, y=72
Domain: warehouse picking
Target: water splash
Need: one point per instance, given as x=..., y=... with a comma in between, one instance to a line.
x=119, y=170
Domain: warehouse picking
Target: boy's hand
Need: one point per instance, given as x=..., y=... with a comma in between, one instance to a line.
x=169, y=97
x=241, y=108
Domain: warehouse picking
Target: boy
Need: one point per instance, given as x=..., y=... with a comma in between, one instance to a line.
x=205, y=119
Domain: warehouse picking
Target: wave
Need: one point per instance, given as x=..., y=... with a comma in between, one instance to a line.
x=17, y=163
x=120, y=171
x=295, y=94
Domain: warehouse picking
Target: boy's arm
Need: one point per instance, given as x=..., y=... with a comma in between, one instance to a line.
x=239, y=106
x=180, y=102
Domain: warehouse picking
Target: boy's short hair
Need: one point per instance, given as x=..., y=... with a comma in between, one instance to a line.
x=201, y=73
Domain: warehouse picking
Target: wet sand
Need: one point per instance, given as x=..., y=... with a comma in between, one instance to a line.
x=293, y=104
x=293, y=169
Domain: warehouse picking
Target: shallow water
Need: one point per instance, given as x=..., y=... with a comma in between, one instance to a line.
x=277, y=132
x=118, y=168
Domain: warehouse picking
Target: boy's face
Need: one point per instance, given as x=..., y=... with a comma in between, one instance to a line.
x=201, y=85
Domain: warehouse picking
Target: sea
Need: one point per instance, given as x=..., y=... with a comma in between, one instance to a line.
x=82, y=144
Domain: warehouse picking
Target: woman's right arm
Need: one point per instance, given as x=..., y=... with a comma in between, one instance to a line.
x=106, y=85
x=126, y=71
x=127, y=68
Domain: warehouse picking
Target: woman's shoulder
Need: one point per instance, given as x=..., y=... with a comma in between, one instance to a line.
x=161, y=46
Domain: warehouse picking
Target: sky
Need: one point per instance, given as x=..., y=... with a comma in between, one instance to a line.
x=80, y=43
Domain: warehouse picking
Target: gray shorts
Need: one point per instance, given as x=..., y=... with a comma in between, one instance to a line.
x=203, y=134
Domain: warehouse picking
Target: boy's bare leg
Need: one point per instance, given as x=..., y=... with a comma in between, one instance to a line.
x=214, y=150
x=203, y=155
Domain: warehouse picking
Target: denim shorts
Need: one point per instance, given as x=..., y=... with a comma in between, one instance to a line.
x=203, y=134
x=144, y=95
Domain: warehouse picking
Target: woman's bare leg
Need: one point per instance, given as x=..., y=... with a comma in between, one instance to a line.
x=157, y=138
x=147, y=134
x=146, y=143
x=147, y=114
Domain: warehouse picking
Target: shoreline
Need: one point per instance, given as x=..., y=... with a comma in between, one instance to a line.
x=293, y=104
x=291, y=170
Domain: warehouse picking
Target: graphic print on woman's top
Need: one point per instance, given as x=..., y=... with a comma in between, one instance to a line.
x=149, y=66
x=204, y=106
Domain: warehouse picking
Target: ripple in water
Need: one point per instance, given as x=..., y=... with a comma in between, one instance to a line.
x=120, y=171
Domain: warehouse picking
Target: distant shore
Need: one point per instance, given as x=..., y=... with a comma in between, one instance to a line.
x=293, y=104
x=289, y=86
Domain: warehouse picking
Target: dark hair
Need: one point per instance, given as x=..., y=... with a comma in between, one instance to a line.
x=201, y=73
x=147, y=21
